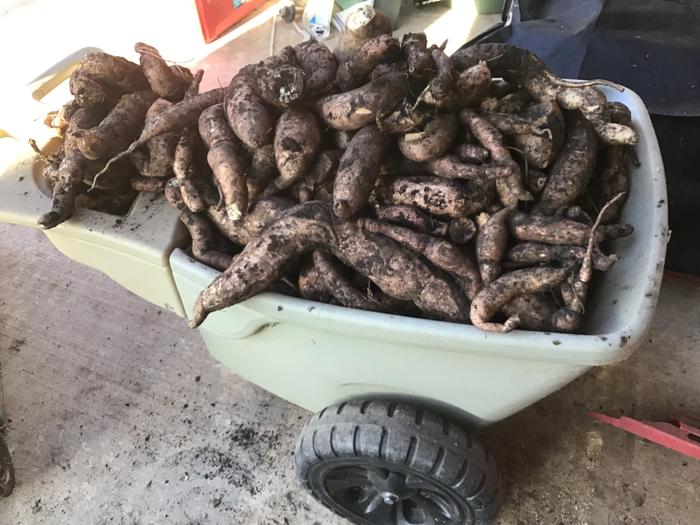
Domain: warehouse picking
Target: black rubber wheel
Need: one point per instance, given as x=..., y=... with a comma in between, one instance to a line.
x=382, y=463
x=7, y=473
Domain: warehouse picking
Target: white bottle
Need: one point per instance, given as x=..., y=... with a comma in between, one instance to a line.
x=317, y=18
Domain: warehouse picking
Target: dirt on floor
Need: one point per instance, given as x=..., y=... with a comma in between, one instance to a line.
x=119, y=415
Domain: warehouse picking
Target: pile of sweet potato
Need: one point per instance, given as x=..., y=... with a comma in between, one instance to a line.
x=473, y=188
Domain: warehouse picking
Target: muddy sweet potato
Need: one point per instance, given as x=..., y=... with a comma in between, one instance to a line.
x=359, y=107
x=168, y=83
x=471, y=153
x=534, y=311
x=147, y=184
x=411, y=217
x=573, y=169
x=280, y=86
x=297, y=141
x=358, y=171
x=492, y=298
x=319, y=66
x=440, y=252
x=491, y=243
x=320, y=176
x=200, y=230
x=226, y=159
x=461, y=230
x=406, y=117
x=536, y=253
x=510, y=189
x=451, y=167
x=263, y=170
x=613, y=178
x=418, y=58
x=101, y=76
x=435, y=195
x=311, y=284
x=118, y=129
x=362, y=24
x=356, y=69
x=433, y=141
x=250, y=119
x=161, y=149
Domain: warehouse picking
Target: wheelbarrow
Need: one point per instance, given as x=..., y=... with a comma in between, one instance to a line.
x=395, y=398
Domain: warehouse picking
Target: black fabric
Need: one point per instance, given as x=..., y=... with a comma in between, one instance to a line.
x=650, y=46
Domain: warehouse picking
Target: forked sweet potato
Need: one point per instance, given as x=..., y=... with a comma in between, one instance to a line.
x=492, y=298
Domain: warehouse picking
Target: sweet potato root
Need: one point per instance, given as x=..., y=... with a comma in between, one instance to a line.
x=118, y=128
x=359, y=107
x=535, y=253
x=311, y=283
x=320, y=176
x=247, y=114
x=161, y=149
x=541, y=149
x=406, y=117
x=471, y=153
x=613, y=178
x=263, y=170
x=225, y=157
x=491, y=243
x=200, y=230
x=418, y=58
x=492, y=298
x=297, y=141
x=280, y=86
x=571, y=172
x=510, y=189
x=185, y=170
x=356, y=69
x=451, y=167
x=263, y=259
x=147, y=184
x=412, y=218
x=534, y=311
x=358, y=171
x=168, y=83
x=433, y=141
x=100, y=76
x=319, y=65
x=440, y=252
x=436, y=195
x=461, y=230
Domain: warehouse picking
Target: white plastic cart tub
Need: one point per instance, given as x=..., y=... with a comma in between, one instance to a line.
x=315, y=354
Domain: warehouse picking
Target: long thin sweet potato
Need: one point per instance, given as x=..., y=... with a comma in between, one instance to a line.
x=168, y=83
x=433, y=141
x=249, y=118
x=200, y=230
x=225, y=157
x=491, y=243
x=533, y=253
x=440, y=252
x=451, y=167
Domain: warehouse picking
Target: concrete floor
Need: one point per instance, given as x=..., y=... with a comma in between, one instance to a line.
x=119, y=415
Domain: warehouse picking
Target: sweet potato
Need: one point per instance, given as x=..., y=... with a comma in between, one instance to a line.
x=118, y=128
x=388, y=67
x=513, y=124
x=168, y=83
x=363, y=23
x=534, y=311
x=541, y=150
x=263, y=170
x=549, y=230
x=356, y=69
x=535, y=180
x=492, y=298
x=147, y=184
x=471, y=153
x=297, y=141
x=101, y=76
x=491, y=243
x=619, y=113
x=319, y=65
x=514, y=102
x=412, y=218
x=400, y=272
x=358, y=171
x=280, y=86
x=613, y=178
x=418, y=58
x=311, y=283
x=451, y=167
x=226, y=159
x=320, y=176
x=440, y=252
x=263, y=259
x=536, y=253
x=185, y=170
x=178, y=116
x=406, y=117
x=461, y=230
x=435, y=195
x=340, y=287
x=576, y=213
x=161, y=149
x=200, y=230
x=359, y=107
x=471, y=85
x=433, y=141
x=249, y=118
x=510, y=189
x=593, y=105
x=571, y=172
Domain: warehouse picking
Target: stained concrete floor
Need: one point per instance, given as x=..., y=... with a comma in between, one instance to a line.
x=119, y=415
